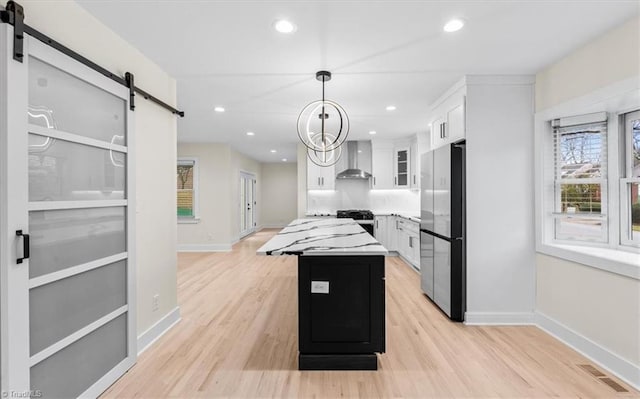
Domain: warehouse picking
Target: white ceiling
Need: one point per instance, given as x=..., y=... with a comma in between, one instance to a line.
x=380, y=52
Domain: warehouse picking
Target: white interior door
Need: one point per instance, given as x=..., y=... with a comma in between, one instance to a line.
x=247, y=203
x=68, y=309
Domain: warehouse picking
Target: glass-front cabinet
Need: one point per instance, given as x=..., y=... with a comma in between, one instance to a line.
x=401, y=166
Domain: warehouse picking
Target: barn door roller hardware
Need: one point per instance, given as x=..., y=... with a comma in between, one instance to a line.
x=14, y=15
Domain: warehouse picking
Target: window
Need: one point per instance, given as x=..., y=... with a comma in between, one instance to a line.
x=187, y=182
x=580, y=178
x=630, y=182
x=587, y=166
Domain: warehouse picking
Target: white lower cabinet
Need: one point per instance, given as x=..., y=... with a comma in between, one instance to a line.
x=380, y=230
x=407, y=240
x=385, y=231
x=403, y=243
x=415, y=250
x=401, y=235
x=392, y=237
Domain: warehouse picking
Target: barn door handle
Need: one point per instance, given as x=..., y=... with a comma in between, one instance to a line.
x=25, y=246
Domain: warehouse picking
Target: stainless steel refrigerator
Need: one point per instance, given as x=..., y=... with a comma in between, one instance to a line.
x=442, y=228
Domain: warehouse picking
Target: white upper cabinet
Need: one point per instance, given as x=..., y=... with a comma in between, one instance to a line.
x=320, y=177
x=455, y=123
x=414, y=165
x=438, y=132
x=448, y=117
x=382, y=164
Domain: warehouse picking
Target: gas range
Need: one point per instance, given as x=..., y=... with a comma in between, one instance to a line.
x=363, y=217
x=356, y=214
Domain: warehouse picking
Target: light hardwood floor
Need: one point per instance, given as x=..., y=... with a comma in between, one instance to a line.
x=238, y=338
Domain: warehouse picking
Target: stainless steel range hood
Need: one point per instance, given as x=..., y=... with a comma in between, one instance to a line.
x=352, y=171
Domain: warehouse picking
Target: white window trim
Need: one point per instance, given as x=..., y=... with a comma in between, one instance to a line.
x=196, y=192
x=625, y=209
x=616, y=99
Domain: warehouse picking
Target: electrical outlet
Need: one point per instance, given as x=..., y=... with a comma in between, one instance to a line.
x=155, y=303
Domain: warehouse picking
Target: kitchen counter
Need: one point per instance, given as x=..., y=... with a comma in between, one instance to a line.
x=325, y=236
x=402, y=215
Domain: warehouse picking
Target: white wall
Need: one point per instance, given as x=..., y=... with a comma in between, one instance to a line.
x=279, y=194
x=600, y=305
x=155, y=131
x=592, y=306
x=611, y=58
x=212, y=232
x=500, y=201
x=218, y=193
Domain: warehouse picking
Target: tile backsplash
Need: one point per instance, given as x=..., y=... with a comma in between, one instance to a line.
x=356, y=194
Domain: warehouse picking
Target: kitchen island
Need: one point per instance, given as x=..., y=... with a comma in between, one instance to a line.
x=341, y=294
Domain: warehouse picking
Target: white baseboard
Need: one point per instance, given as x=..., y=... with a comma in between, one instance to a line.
x=204, y=247
x=622, y=368
x=499, y=318
x=153, y=333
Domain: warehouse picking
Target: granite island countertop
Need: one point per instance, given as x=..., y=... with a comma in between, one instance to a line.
x=326, y=236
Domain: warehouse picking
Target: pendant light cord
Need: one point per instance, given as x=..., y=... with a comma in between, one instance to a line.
x=323, y=114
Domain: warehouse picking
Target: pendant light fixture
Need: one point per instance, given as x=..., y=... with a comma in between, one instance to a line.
x=323, y=126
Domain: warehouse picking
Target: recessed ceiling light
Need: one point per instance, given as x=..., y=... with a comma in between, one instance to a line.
x=391, y=108
x=372, y=132
x=284, y=159
x=284, y=26
x=219, y=109
x=273, y=151
x=359, y=151
x=251, y=134
x=454, y=25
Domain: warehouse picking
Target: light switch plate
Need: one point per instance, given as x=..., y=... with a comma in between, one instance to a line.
x=319, y=287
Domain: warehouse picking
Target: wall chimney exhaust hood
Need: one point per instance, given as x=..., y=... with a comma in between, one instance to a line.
x=352, y=171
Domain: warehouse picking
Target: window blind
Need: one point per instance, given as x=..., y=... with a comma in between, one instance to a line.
x=580, y=173
x=580, y=151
